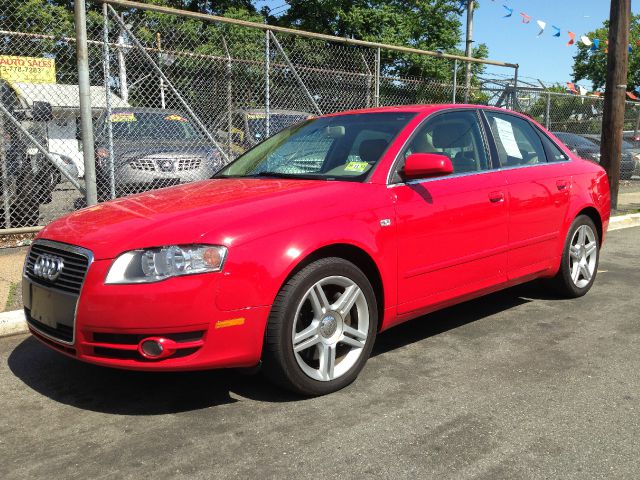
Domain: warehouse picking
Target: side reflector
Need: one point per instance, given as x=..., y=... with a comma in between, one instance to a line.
x=232, y=322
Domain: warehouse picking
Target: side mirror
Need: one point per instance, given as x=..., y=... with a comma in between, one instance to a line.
x=422, y=165
x=41, y=112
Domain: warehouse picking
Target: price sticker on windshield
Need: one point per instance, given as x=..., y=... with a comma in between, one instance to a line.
x=356, y=167
x=175, y=118
x=123, y=117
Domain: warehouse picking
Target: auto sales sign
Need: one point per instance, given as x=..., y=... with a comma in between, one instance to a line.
x=27, y=69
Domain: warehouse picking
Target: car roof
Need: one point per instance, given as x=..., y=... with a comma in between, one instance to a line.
x=426, y=108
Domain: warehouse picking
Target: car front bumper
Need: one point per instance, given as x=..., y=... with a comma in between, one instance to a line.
x=111, y=321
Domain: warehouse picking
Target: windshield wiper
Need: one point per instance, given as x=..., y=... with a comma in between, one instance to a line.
x=300, y=176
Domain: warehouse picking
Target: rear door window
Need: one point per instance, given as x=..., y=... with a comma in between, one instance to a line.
x=517, y=142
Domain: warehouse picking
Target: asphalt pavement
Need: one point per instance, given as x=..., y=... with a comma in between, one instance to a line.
x=518, y=384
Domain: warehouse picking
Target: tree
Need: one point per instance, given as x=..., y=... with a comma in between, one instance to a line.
x=422, y=24
x=592, y=65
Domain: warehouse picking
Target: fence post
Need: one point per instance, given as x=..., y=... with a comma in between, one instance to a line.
x=106, y=61
x=376, y=91
x=159, y=43
x=455, y=80
x=547, y=120
x=515, y=88
x=5, y=176
x=266, y=82
x=84, y=85
x=229, y=95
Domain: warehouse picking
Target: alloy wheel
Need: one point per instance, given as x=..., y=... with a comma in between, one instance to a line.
x=583, y=256
x=330, y=328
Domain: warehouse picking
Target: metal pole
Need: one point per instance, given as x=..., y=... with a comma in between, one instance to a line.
x=455, y=80
x=86, y=123
x=300, y=33
x=376, y=80
x=107, y=90
x=367, y=81
x=515, y=89
x=162, y=102
x=122, y=67
x=547, y=120
x=294, y=72
x=266, y=82
x=467, y=49
x=173, y=89
x=229, y=95
x=5, y=175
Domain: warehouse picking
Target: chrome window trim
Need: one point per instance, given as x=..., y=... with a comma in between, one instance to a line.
x=481, y=172
x=483, y=134
x=88, y=254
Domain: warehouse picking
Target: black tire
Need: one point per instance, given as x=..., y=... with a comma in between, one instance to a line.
x=279, y=361
x=562, y=283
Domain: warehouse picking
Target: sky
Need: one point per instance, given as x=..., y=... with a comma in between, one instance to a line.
x=546, y=58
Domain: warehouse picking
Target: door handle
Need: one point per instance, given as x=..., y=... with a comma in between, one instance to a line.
x=495, y=197
x=562, y=184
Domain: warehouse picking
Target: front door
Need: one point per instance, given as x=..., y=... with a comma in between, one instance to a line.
x=452, y=230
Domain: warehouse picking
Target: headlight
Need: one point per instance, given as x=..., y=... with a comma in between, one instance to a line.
x=156, y=264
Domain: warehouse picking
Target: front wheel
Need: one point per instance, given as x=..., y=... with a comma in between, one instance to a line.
x=580, y=258
x=321, y=329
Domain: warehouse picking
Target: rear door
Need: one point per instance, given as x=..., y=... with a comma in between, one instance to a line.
x=452, y=230
x=539, y=188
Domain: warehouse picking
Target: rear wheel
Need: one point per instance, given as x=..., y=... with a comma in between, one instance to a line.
x=580, y=258
x=321, y=329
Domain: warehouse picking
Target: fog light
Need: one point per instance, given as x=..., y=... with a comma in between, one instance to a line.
x=151, y=348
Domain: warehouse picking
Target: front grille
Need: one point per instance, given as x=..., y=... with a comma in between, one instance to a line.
x=143, y=164
x=60, y=332
x=73, y=271
x=192, y=163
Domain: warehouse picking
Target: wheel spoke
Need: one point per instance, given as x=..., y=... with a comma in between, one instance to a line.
x=575, y=272
x=586, y=273
x=319, y=300
x=309, y=342
x=344, y=304
x=349, y=331
x=352, y=342
x=581, y=235
x=591, y=248
x=327, y=361
x=310, y=331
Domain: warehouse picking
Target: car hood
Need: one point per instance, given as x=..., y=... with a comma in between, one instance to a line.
x=219, y=211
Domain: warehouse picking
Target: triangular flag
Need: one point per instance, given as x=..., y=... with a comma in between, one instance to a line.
x=583, y=91
x=571, y=87
x=586, y=40
x=572, y=37
x=525, y=18
x=542, y=26
x=510, y=10
x=557, y=29
x=630, y=48
x=606, y=50
x=596, y=45
x=632, y=96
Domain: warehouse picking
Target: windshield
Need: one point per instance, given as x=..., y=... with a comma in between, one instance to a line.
x=258, y=124
x=342, y=147
x=131, y=125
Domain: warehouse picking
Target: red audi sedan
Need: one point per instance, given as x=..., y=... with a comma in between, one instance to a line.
x=298, y=253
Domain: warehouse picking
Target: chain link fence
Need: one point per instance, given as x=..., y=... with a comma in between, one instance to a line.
x=177, y=96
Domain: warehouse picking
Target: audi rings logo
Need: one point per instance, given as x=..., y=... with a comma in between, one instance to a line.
x=48, y=267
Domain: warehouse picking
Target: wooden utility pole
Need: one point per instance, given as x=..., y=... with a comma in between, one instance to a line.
x=615, y=93
x=468, y=49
